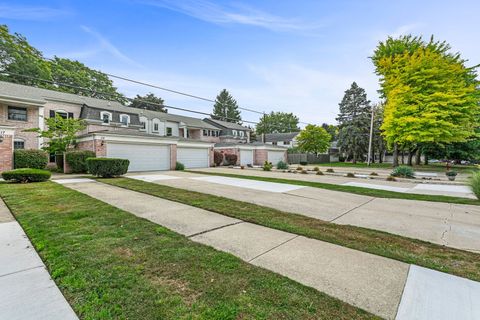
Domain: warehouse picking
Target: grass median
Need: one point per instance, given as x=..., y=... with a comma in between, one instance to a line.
x=351, y=189
x=437, y=167
x=462, y=263
x=110, y=264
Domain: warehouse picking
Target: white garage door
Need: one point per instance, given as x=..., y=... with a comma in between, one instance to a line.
x=246, y=157
x=142, y=157
x=275, y=156
x=193, y=157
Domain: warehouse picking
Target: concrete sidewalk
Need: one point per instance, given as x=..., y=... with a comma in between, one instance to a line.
x=456, y=226
x=370, y=282
x=26, y=289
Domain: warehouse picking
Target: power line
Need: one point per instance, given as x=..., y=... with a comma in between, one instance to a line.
x=129, y=99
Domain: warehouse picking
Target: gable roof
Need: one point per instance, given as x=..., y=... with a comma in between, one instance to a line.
x=227, y=125
x=276, y=137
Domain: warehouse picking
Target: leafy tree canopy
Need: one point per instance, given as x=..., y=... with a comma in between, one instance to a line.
x=148, y=102
x=313, y=139
x=17, y=56
x=278, y=122
x=61, y=133
x=226, y=108
x=331, y=129
x=431, y=96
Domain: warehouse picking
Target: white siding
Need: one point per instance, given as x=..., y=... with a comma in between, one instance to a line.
x=174, y=127
x=142, y=157
x=193, y=157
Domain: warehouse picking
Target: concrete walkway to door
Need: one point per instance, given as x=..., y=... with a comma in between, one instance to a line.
x=26, y=289
x=367, y=281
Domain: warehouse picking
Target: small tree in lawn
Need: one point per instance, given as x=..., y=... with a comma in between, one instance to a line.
x=60, y=134
x=313, y=139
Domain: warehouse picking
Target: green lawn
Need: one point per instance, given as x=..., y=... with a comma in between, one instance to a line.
x=430, y=167
x=351, y=189
x=110, y=264
x=462, y=263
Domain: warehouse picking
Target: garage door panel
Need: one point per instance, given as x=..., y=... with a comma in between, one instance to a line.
x=142, y=157
x=276, y=156
x=193, y=157
x=246, y=157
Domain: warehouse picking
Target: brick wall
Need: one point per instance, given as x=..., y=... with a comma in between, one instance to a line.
x=211, y=157
x=173, y=156
x=96, y=146
x=6, y=153
x=30, y=138
x=260, y=156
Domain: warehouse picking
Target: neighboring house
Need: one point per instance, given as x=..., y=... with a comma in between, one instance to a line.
x=255, y=153
x=151, y=140
x=286, y=140
x=231, y=132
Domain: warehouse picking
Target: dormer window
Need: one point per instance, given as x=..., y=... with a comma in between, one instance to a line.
x=106, y=117
x=125, y=120
x=241, y=133
x=234, y=132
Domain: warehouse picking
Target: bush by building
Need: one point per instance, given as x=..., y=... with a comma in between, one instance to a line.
x=25, y=175
x=30, y=158
x=77, y=160
x=107, y=167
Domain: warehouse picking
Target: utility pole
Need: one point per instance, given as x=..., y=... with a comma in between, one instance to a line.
x=369, y=156
x=264, y=126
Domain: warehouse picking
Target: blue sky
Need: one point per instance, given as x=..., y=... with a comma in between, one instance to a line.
x=294, y=56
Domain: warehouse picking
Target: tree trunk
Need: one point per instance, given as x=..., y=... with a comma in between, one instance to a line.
x=380, y=156
x=418, y=157
x=354, y=160
x=403, y=156
x=395, y=155
x=410, y=156
x=426, y=159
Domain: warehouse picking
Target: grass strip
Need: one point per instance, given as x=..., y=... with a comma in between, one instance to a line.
x=440, y=167
x=351, y=189
x=110, y=264
x=458, y=262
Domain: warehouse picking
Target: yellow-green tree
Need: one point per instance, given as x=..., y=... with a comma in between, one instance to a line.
x=313, y=139
x=431, y=96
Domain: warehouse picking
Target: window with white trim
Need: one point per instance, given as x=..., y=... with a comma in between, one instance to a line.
x=106, y=117
x=234, y=132
x=143, y=123
x=241, y=133
x=205, y=132
x=17, y=114
x=125, y=120
x=169, y=132
x=155, y=126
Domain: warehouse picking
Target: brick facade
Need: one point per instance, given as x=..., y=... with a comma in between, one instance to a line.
x=30, y=138
x=173, y=156
x=97, y=146
x=260, y=156
x=6, y=153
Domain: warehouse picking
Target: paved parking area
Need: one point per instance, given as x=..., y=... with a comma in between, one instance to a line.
x=453, y=225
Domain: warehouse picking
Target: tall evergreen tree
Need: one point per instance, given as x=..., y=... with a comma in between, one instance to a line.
x=354, y=123
x=226, y=108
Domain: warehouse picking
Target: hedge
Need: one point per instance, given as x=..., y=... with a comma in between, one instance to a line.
x=77, y=160
x=179, y=166
x=107, y=167
x=31, y=158
x=26, y=175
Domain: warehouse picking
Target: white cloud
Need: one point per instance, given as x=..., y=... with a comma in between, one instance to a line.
x=234, y=14
x=19, y=12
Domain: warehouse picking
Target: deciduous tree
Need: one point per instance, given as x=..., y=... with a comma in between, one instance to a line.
x=148, y=102
x=313, y=139
x=278, y=122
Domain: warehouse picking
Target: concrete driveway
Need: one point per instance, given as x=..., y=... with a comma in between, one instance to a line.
x=452, y=225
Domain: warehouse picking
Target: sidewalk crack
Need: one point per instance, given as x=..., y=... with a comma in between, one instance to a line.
x=19, y=271
x=216, y=228
x=281, y=244
x=355, y=208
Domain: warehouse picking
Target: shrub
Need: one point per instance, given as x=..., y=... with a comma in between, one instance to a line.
x=316, y=169
x=231, y=159
x=350, y=175
x=282, y=165
x=391, y=178
x=319, y=173
x=26, y=175
x=330, y=170
x=34, y=159
x=304, y=171
x=403, y=172
x=52, y=167
x=217, y=158
x=77, y=160
x=299, y=168
x=451, y=173
x=303, y=163
x=107, y=167
x=267, y=166
x=179, y=166
x=374, y=174
x=475, y=184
